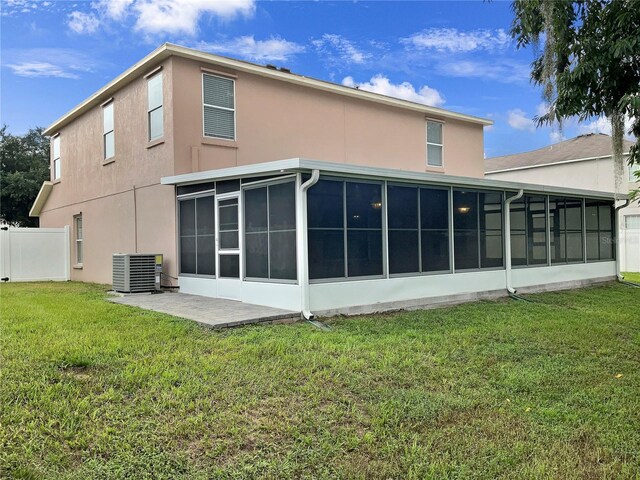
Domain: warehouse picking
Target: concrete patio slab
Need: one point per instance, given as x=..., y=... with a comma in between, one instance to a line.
x=210, y=312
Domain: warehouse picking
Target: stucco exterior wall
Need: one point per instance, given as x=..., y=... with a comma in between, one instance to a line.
x=276, y=120
x=116, y=194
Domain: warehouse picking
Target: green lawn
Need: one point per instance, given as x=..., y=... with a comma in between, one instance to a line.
x=631, y=277
x=500, y=389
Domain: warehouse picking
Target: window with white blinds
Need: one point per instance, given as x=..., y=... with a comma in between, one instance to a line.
x=219, y=113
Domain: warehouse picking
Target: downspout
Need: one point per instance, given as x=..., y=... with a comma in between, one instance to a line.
x=616, y=216
x=507, y=239
x=304, y=277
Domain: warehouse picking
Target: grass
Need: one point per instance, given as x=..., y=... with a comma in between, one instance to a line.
x=631, y=277
x=500, y=389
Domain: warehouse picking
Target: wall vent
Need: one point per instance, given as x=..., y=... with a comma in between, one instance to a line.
x=136, y=272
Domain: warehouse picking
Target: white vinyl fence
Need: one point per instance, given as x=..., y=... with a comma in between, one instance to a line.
x=630, y=238
x=34, y=254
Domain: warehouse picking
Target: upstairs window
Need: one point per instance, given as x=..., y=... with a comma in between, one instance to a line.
x=219, y=113
x=434, y=144
x=107, y=131
x=155, y=113
x=56, y=157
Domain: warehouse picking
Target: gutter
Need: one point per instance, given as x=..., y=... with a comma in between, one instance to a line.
x=304, y=267
x=617, y=218
x=507, y=239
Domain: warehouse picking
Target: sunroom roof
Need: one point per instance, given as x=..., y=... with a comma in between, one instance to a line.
x=292, y=165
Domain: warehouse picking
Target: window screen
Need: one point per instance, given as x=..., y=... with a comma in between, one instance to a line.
x=197, y=236
x=344, y=220
x=565, y=224
x=270, y=232
x=528, y=231
x=599, y=226
x=218, y=107
x=477, y=225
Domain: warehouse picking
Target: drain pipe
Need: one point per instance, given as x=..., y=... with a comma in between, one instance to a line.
x=304, y=277
x=618, y=268
x=507, y=239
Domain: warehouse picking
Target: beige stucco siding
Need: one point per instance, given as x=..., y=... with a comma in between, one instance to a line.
x=104, y=192
x=277, y=120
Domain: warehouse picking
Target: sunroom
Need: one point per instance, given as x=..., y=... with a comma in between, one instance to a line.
x=325, y=238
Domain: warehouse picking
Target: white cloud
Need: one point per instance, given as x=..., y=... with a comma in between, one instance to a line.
x=48, y=62
x=405, y=90
x=153, y=17
x=40, y=69
x=339, y=49
x=453, y=40
x=520, y=121
x=272, y=49
x=182, y=16
x=113, y=9
x=603, y=125
x=80, y=22
x=500, y=70
x=556, y=136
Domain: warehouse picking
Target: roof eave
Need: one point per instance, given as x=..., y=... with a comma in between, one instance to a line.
x=41, y=199
x=300, y=164
x=169, y=49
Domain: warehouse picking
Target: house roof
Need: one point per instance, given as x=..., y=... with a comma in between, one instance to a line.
x=583, y=147
x=280, y=167
x=166, y=50
x=41, y=199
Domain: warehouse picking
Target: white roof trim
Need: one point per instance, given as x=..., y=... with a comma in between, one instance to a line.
x=166, y=50
x=327, y=168
x=41, y=199
x=562, y=162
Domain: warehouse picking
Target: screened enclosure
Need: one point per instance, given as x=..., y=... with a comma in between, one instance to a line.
x=366, y=229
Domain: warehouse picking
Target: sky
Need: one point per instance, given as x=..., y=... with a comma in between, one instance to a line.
x=454, y=55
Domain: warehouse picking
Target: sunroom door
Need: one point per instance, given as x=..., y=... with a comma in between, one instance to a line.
x=228, y=245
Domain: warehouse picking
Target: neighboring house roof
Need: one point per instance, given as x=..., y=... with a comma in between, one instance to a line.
x=166, y=50
x=278, y=167
x=583, y=147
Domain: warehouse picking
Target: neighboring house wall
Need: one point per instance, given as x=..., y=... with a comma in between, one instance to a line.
x=277, y=120
x=123, y=205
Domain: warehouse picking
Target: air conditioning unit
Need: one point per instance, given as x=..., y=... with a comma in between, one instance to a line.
x=136, y=272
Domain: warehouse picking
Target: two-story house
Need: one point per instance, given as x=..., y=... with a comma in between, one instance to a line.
x=272, y=188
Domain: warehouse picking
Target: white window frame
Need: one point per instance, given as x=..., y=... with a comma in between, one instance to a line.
x=634, y=168
x=79, y=239
x=235, y=131
x=441, y=145
x=56, y=166
x=109, y=104
x=161, y=106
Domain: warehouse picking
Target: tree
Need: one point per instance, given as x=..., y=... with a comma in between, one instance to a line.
x=589, y=65
x=24, y=165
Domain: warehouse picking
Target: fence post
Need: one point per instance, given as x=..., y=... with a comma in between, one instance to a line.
x=5, y=253
x=67, y=253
